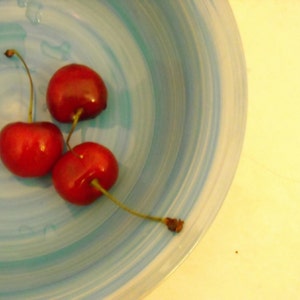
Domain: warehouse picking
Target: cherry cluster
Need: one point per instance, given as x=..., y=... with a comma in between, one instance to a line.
x=83, y=173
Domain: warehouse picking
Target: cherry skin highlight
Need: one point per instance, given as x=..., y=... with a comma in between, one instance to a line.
x=74, y=87
x=74, y=171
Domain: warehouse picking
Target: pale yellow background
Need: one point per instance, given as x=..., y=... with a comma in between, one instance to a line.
x=252, y=250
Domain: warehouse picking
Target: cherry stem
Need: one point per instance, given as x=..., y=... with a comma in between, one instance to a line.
x=174, y=225
x=76, y=119
x=10, y=53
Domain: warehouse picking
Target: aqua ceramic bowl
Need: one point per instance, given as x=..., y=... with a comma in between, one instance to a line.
x=175, y=120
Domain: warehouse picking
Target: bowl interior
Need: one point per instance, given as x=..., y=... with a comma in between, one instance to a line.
x=175, y=121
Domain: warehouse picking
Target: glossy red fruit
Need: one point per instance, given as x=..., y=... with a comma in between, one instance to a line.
x=75, y=87
x=87, y=172
x=74, y=171
x=30, y=149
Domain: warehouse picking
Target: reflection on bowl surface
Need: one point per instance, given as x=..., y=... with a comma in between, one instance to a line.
x=175, y=121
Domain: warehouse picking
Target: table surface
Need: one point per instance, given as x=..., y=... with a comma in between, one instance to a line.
x=252, y=250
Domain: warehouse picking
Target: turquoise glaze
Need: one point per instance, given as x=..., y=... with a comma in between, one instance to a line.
x=175, y=120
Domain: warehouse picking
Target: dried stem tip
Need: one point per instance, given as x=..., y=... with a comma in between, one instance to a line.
x=9, y=53
x=174, y=225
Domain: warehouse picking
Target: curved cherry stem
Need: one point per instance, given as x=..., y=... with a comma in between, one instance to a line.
x=10, y=53
x=174, y=225
x=76, y=119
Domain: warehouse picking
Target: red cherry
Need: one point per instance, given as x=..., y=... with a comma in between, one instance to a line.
x=74, y=171
x=30, y=149
x=76, y=87
x=88, y=171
